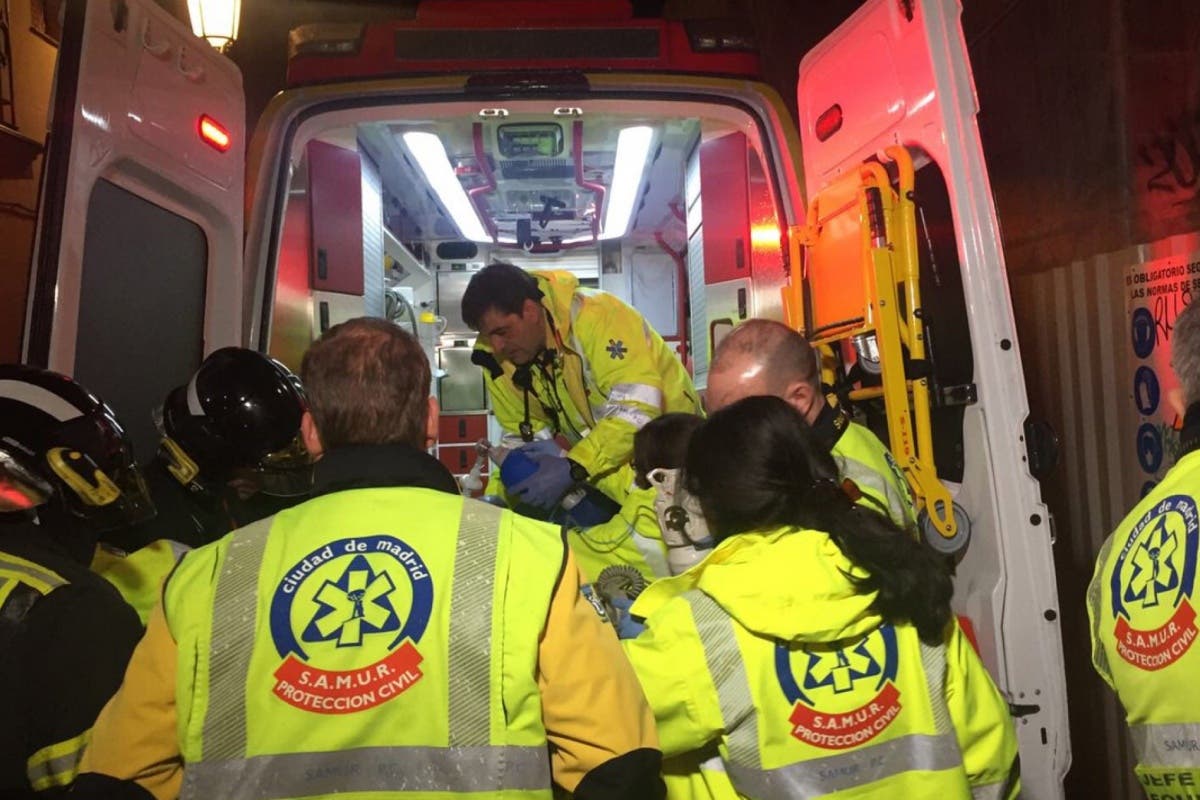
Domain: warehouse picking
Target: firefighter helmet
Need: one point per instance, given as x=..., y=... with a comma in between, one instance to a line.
x=238, y=418
x=60, y=444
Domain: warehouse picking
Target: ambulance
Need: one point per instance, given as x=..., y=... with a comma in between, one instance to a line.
x=647, y=157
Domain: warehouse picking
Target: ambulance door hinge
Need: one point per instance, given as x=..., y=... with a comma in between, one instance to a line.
x=965, y=394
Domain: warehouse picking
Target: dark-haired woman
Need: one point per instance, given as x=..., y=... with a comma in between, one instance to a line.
x=814, y=652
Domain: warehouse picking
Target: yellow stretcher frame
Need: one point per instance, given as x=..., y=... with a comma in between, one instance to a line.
x=889, y=261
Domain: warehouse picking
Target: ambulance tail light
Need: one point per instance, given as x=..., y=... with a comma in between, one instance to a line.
x=829, y=123
x=214, y=134
x=326, y=39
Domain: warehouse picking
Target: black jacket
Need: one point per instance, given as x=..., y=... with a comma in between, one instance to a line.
x=62, y=655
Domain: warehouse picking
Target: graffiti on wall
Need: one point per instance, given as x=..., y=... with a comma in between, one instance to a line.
x=1170, y=157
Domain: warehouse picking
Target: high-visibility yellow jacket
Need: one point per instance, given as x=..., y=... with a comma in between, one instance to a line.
x=862, y=458
x=630, y=540
x=1143, y=623
x=771, y=677
x=139, y=575
x=610, y=374
x=387, y=640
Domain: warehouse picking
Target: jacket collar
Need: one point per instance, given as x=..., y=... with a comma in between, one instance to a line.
x=830, y=424
x=364, y=466
x=1189, y=437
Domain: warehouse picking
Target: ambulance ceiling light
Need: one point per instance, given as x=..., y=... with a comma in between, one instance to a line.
x=427, y=149
x=216, y=21
x=633, y=145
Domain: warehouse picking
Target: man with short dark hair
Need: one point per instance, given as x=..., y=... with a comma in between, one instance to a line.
x=764, y=357
x=562, y=359
x=386, y=636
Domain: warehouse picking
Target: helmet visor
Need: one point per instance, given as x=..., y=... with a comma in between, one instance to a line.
x=287, y=472
x=131, y=507
x=20, y=488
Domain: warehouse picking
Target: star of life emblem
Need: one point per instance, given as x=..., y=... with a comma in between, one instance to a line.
x=846, y=697
x=346, y=620
x=1151, y=586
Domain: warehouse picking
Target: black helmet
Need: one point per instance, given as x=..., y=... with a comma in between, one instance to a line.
x=238, y=418
x=59, y=443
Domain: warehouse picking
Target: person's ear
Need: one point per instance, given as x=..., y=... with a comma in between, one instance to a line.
x=431, y=423
x=311, y=436
x=801, y=396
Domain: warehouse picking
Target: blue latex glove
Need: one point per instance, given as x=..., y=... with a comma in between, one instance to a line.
x=628, y=626
x=547, y=484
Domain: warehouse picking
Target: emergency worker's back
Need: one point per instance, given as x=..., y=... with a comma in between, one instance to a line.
x=1144, y=631
x=804, y=691
x=356, y=649
x=813, y=653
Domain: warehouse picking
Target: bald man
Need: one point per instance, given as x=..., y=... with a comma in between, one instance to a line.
x=762, y=356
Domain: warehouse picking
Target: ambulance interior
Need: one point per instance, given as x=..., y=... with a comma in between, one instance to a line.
x=674, y=206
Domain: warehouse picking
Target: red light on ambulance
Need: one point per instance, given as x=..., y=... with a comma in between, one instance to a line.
x=829, y=123
x=213, y=134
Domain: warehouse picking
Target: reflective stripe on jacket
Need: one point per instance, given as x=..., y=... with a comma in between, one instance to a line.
x=614, y=373
x=770, y=677
x=55, y=765
x=1142, y=607
x=864, y=459
x=300, y=650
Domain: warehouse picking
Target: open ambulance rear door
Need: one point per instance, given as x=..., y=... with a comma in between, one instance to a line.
x=896, y=74
x=137, y=263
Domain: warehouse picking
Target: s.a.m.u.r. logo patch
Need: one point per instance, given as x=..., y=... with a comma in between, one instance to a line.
x=1151, y=585
x=346, y=620
x=844, y=697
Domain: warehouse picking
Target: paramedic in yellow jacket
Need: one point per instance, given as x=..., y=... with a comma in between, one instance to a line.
x=762, y=356
x=562, y=359
x=388, y=636
x=813, y=653
x=1141, y=602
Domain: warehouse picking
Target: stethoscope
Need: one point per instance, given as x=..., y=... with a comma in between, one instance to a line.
x=547, y=362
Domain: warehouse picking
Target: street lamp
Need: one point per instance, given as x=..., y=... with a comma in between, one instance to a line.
x=216, y=21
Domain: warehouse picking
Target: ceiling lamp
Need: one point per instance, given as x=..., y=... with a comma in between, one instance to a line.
x=427, y=149
x=633, y=145
x=216, y=21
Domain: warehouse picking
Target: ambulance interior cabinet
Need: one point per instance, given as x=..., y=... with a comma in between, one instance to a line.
x=718, y=214
x=335, y=218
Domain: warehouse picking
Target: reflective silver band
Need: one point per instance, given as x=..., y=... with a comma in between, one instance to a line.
x=821, y=776
x=933, y=662
x=372, y=769
x=642, y=393
x=45, y=773
x=471, y=623
x=876, y=484
x=728, y=673
x=652, y=552
x=1169, y=744
x=235, y=604
x=19, y=569
x=630, y=414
